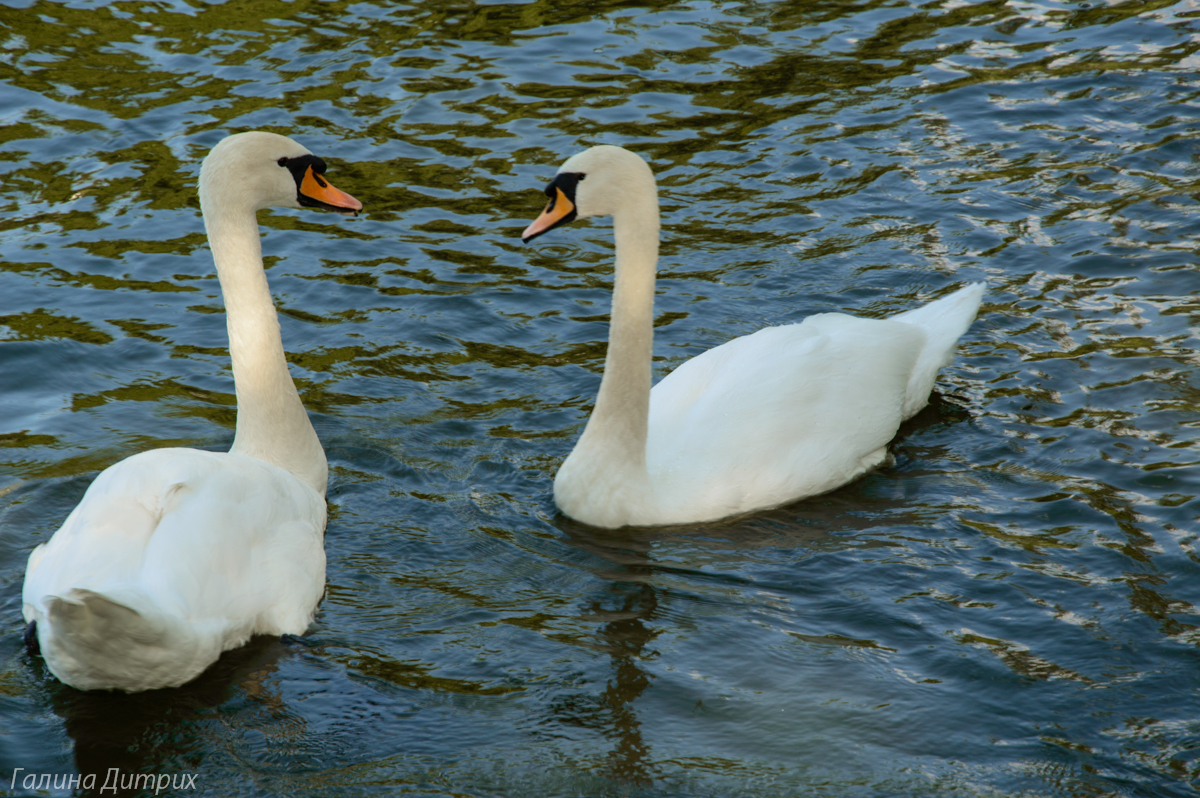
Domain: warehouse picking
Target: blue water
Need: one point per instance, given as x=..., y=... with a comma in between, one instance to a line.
x=1008, y=610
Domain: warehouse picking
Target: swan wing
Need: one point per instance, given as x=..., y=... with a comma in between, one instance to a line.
x=783, y=413
x=173, y=556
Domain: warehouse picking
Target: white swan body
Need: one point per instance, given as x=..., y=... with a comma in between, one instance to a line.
x=176, y=555
x=762, y=420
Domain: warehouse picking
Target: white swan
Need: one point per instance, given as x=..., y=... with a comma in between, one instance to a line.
x=765, y=419
x=175, y=555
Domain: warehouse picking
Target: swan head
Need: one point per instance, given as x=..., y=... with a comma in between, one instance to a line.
x=262, y=170
x=603, y=181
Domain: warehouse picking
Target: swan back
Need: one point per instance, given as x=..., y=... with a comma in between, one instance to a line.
x=173, y=556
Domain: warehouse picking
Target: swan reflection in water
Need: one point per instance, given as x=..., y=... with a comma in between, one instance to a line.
x=625, y=613
x=647, y=570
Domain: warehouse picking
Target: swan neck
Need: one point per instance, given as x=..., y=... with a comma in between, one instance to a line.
x=272, y=424
x=623, y=403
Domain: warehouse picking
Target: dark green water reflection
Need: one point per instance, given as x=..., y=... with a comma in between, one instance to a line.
x=1009, y=610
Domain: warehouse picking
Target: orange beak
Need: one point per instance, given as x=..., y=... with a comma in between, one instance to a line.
x=316, y=187
x=556, y=210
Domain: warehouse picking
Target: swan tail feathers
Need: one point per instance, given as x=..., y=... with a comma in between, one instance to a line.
x=92, y=641
x=88, y=615
x=943, y=321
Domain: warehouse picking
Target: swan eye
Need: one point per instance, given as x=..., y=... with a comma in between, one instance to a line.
x=282, y=162
x=566, y=181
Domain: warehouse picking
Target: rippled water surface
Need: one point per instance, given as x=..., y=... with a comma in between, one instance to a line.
x=1010, y=609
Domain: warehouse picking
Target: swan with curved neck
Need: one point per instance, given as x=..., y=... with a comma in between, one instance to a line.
x=763, y=420
x=176, y=555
